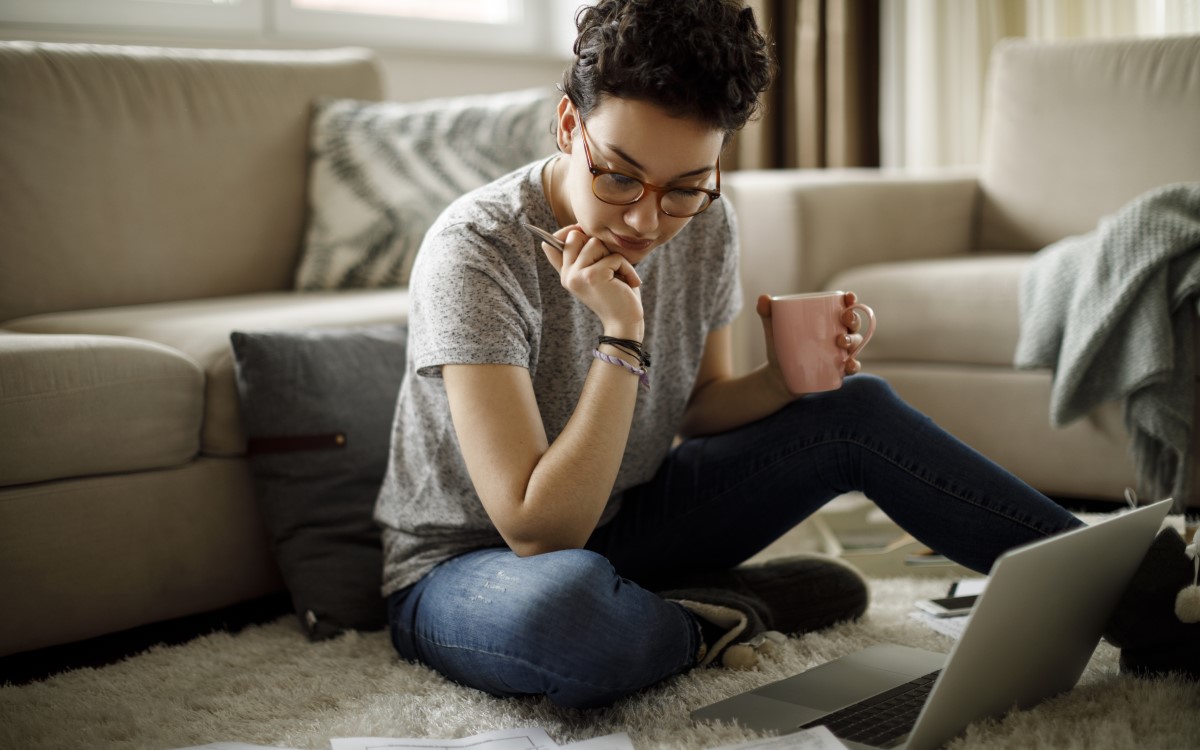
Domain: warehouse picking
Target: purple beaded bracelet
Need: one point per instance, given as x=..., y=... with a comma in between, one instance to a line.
x=643, y=376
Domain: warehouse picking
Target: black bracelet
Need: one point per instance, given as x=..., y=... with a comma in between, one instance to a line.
x=630, y=347
x=622, y=345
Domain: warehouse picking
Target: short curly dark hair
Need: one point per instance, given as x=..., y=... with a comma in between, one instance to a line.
x=704, y=59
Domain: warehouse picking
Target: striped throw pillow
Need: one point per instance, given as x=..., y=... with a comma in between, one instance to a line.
x=381, y=172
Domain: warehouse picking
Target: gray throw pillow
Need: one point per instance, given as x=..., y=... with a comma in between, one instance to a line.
x=317, y=406
x=381, y=172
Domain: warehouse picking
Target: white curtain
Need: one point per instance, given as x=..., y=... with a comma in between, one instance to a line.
x=934, y=57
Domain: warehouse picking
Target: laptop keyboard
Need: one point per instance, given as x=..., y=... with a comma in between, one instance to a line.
x=882, y=720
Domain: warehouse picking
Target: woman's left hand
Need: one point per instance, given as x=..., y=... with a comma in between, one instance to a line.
x=848, y=341
x=852, y=340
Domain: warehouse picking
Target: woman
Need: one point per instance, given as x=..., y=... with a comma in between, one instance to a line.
x=534, y=504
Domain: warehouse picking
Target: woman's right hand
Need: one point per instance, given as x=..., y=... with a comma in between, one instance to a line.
x=602, y=280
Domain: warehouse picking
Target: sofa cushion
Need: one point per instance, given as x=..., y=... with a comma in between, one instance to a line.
x=382, y=172
x=76, y=406
x=137, y=175
x=318, y=408
x=1075, y=130
x=916, y=301
x=200, y=329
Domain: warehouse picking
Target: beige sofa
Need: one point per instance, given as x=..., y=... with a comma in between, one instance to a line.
x=154, y=200
x=1073, y=132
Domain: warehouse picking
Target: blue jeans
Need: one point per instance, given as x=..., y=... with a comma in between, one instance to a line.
x=575, y=626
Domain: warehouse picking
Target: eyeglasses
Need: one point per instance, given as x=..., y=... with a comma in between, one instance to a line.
x=619, y=189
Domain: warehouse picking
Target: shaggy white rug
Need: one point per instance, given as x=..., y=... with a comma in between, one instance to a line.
x=268, y=685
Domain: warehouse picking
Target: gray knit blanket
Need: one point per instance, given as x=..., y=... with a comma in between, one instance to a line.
x=1112, y=312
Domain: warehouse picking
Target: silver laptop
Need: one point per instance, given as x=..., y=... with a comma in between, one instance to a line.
x=1030, y=637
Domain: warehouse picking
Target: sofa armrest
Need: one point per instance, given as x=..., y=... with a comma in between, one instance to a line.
x=800, y=228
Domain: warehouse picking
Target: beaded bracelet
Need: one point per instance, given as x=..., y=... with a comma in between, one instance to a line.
x=643, y=376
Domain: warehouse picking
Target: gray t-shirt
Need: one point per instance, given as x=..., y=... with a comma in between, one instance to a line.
x=483, y=292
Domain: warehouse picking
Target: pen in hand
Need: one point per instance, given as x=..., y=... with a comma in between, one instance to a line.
x=545, y=236
x=558, y=244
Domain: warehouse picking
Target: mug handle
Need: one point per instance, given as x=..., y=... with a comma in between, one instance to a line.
x=862, y=309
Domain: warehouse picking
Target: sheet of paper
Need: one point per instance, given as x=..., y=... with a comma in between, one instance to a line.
x=817, y=738
x=529, y=738
x=951, y=626
x=235, y=746
x=504, y=739
x=970, y=586
x=618, y=741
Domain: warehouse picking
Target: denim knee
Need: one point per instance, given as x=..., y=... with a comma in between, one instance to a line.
x=585, y=599
x=862, y=398
x=867, y=389
x=576, y=572
x=602, y=636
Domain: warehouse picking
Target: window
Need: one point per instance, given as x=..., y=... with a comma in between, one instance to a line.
x=534, y=27
x=198, y=15
x=486, y=25
x=470, y=11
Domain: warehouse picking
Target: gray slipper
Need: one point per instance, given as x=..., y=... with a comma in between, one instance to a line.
x=731, y=628
x=798, y=594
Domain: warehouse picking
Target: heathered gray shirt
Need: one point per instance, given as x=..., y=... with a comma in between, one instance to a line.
x=483, y=292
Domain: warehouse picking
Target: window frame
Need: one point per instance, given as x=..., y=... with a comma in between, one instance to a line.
x=543, y=27
x=244, y=16
x=522, y=36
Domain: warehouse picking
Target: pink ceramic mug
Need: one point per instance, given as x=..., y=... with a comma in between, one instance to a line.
x=806, y=328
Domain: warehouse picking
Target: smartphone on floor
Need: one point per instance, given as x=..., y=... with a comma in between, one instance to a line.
x=950, y=606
